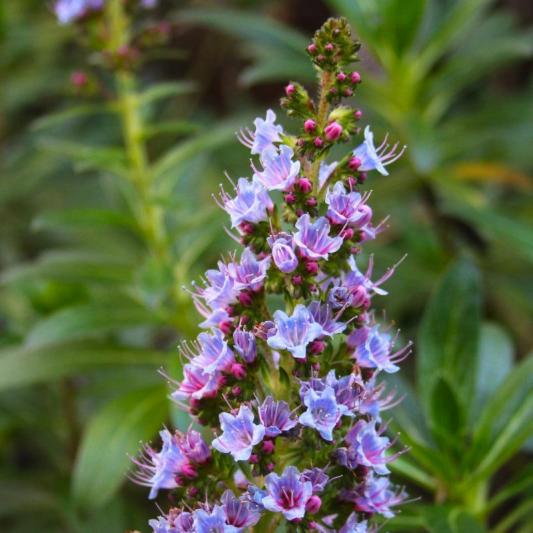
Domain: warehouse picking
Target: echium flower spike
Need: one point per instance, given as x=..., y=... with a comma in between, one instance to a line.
x=286, y=377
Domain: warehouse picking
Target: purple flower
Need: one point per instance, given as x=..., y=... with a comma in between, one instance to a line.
x=317, y=477
x=158, y=470
x=249, y=205
x=219, y=290
x=245, y=345
x=283, y=252
x=366, y=447
x=197, y=384
x=287, y=494
x=240, y=434
x=348, y=389
x=373, y=349
x=239, y=512
x=176, y=521
x=373, y=158
x=353, y=526
x=70, y=10
x=377, y=496
x=148, y=4
x=280, y=171
x=249, y=273
x=325, y=171
x=322, y=315
x=313, y=238
x=266, y=133
x=373, y=400
x=347, y=208
x=215, y=354
x=294, y=333
x=212, y=522
x=276, y=417
x=323, y=412
x=194, y=447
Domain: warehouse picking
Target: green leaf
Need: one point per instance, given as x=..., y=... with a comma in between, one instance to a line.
x=71, y=266
x=165, y=90
x=88, y=321
x=494, y=364
x=448, y=338
x=27, y=366
x=406, y=468
x=259, y=29
x=171, y=127
x=114, y=432
x=53, y=119
x=65, y=220
x=166, y=169
x=446, y=414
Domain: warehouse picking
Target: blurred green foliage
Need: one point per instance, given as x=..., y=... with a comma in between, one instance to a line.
x=91, y=301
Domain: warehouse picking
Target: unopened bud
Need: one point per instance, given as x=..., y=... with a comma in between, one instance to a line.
x=245, y=298
x=341, y=76
x=238, y=371
x=355, y=77
x=290, y=198
x=253, y=459
x=289, y=89
x=312, y=202
x=354, y=163
x=311, y=267
x=312, y=48
x=329, y=47
x=358, y=114
x=305, y=185
x=268, y=446
x=333, y=131
x=317, y=346
x=309, y=125
x=347, y=233
x=236, y=391
x=313, y=504
x=247, y=228
x=318, y=142
x=362, y=177
x=297, y=280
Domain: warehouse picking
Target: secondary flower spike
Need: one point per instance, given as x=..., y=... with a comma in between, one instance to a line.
x=284, y=384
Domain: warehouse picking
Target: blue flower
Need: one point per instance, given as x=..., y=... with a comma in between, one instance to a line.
x=239, y=512
x=197, y=384
x=373, y=158
x=176, y=521
x=325, y=171
x=287, y=494
x=276, y=417
x=322, y=315
x=373, y=349
x=250, y=204
x=239, y=434
x=279, y=170
x=266, y=133
x=70, y=10
x=283, y=252
x=158, y=470
x=245, y=344
x=353, y=526
x=215, y=354
x=378, y=496
x=249, y=273
x=212, y=522
x=317, y=477
x=323, y=412
x=348, y=389
x=313, y=238
x=347, y=208
x=294, y=333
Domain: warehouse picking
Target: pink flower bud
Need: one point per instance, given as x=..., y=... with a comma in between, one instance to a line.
x=312, y=525
x=290, y=89
x=245, y=298
x=179, y=481
x=358, y=114
x=236, y=391
x=311, y=267
x=268, y=446
x=362, y=177
x=312, y=202
x=329, y=47
x=79, y=79
x=333, y=131
x=318, y=142
x=305, y=185
x=189, y=471
x=247, y=228
x=195, y=404
x=317, y=346
x=354, y=163
x=320, y=58
x=316, y=366
x=238, y=371
x=290, y=198
x=341, y=76
x=193, y=492
x=270, y=467
x=312, y=48
x=299, y=212
x=347, y=92
x=351, y=181
x=309, y=125
x=297, y=280
x=347, y=233
x=226, y=326
x=253, y=459
x=313, y=504
x=360, y=297
x=355, y=77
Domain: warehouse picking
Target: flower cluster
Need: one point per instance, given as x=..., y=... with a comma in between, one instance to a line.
x=284, y=377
